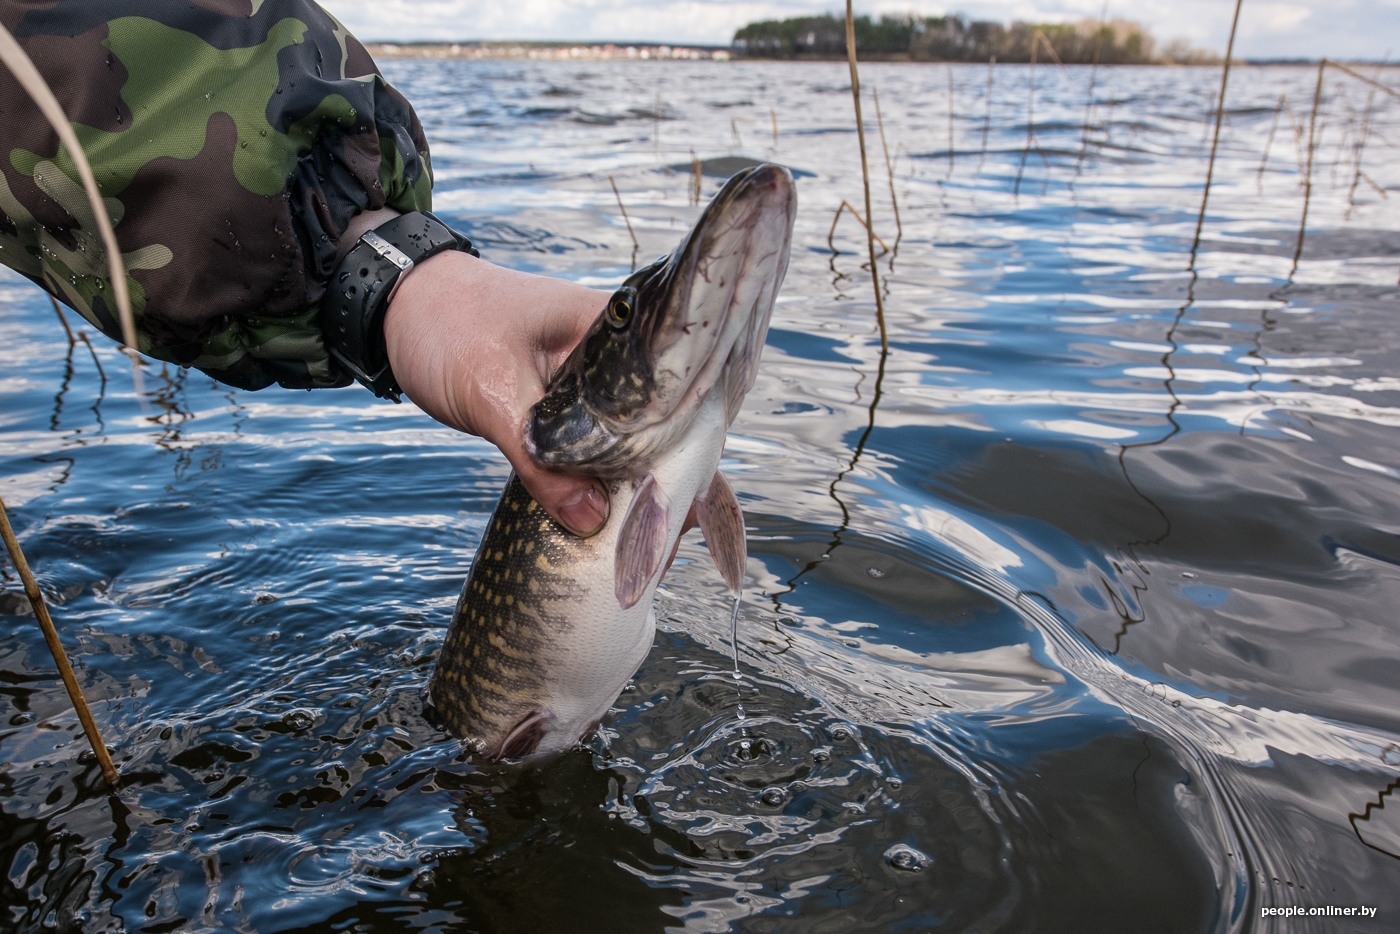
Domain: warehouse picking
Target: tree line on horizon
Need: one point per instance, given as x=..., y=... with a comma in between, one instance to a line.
x=955, y=39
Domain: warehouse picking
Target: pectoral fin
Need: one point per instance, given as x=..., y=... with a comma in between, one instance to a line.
x=641, y=543
x=525, y=737
x=722, y=522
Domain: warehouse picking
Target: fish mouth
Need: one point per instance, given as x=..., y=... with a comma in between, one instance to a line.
x=689, y=324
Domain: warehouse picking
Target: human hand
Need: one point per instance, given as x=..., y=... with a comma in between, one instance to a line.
x=472, y=344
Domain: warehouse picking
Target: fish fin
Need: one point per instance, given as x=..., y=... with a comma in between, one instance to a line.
x=525, y=737
x=722, y=522
x=641, y=542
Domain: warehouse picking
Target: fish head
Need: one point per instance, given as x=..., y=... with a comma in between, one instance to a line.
x=690, y=324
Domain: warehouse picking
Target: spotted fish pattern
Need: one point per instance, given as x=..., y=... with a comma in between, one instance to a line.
x=550, y=626
x=504, y=632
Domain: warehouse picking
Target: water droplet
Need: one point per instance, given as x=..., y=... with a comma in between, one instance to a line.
x=907, y=859
x=208, y=95
x=789, y=621
x=820, y=755
x=243, y=144
x=893, y=782
x=734, y=636
x=1176, y=703
x=773, y=797
x=840, y=734
x=263, y=598
x=629, y=689
x=298, y=719
x=875, y=572
x=262, y=132
x=1188, y=574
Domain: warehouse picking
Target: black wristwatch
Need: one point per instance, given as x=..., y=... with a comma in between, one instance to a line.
x=352, y=312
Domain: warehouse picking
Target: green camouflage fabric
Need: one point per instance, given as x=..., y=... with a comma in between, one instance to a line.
x=232, y=141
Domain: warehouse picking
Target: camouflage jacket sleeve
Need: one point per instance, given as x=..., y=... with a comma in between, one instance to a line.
x=232, y=140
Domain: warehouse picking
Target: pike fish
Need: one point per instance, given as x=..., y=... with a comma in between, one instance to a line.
x=550, y=626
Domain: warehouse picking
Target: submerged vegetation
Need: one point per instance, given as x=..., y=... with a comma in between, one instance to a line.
x=955, y=39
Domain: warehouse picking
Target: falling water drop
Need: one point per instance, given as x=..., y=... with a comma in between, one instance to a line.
x=906, y=858
x=734, y=636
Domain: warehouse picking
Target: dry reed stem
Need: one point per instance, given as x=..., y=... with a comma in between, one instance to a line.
x=1360, y=77
x=831, y=234
x=1359, y=150
x=623, y=209
x=63, y=321
x=889, y=167
x=1307, y=176
x=1370, y=181
x=656, y=126
x=772, y=112
x=1268, y=143
x=865, y=176
x=1030, y=124
x=82, y=336
x=1089, y=99
x=28, y=76
x=41, y=612
x=950, y=120
x=1296, y=126
x=987, y=117
x=898, y=147
x=1051, y=49
x=697, y=178
x=1215, y=141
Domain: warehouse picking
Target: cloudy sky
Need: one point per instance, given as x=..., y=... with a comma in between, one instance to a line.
x=1367, y=29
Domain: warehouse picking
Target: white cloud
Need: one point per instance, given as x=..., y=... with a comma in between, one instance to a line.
x=1277, y=18
x=1270, y=29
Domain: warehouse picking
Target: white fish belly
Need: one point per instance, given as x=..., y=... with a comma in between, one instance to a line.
x=607, y=644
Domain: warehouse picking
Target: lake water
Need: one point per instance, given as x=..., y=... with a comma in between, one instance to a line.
x=1078, y=614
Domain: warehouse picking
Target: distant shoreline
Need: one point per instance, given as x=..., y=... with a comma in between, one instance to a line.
x=641, y=52
x=550, y=51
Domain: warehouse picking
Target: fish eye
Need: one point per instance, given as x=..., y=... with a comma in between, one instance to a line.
x=620, y=308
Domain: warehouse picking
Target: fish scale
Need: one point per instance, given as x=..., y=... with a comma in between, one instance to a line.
x=550, y=626
x=507, y=625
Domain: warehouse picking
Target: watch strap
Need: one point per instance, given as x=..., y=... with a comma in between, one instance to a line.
x=358, y=295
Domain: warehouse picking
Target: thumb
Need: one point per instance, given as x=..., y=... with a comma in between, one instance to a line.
x=579, y=503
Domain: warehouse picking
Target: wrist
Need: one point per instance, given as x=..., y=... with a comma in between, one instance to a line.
x=364, y=283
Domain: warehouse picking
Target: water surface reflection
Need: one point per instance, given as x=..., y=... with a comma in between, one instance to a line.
x=1071, y=613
